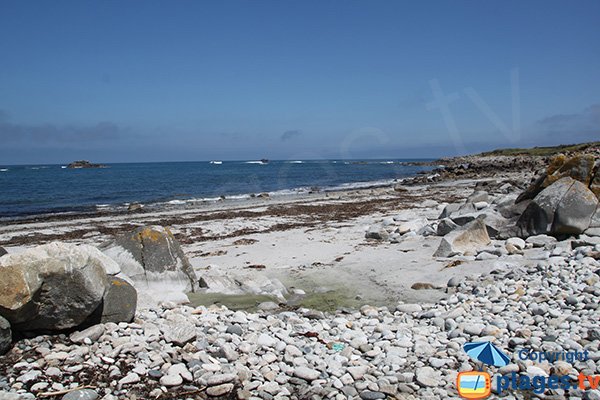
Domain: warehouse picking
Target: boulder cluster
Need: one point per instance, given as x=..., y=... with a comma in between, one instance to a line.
x=495, y=219
x=563, y=200
x=60, y=286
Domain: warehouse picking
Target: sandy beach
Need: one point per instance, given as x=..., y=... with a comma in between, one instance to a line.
x=314, y=242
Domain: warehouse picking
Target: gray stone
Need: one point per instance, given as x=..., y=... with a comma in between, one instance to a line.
x=307, y=374
x=479, y=196
x=428, y=377
x=446, y=226
x=465, y=240
x=578, y=167
x=135, y=207
x=93, y=333
x=82, y=394
x=178, y=329
x=5, y=336
x=10, y=396
x=595, y=221
x=538, y=217
x=565, y=207
x=266, y=340
x=480, y=205
x=39, y=387
x=154, y=373
x=517, y=242
x=377, y=232
x=495, y=223
x=118, y=303
x=3, y=251
x=427, y=230
x=574, y=212
x=409, y=308
x=235, y=330
x=485, y=256
x=228, y=352
x=268, y=306
x=151, y=255
x=181, y=370
x=358, y=372
x=30, y=376
x=369, y=395
x=454, y=281
x=131, y=378
x=449, y=210
x=220, y=390
x=171, y=380
x=52, y=287
x=219, y=379
x=412, y=226
x=544, y=241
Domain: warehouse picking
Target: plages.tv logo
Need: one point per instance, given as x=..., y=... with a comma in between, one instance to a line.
x=478, y=384
x=474, y=384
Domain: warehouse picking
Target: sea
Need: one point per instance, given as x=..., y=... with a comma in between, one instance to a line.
x=27, y=190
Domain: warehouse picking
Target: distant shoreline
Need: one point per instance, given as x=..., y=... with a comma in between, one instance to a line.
x=541, y=151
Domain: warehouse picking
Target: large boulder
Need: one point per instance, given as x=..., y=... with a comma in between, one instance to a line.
x=579, y=168
x=3, y=251
x=5, y=336
x=455, y=210
x=51, y=287
x=151, y=256
x=495, y=223
x=565, y=207
x=574, y=212
x=118, y=303
x=465, y=240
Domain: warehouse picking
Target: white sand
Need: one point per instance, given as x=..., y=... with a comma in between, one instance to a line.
x=332, y=255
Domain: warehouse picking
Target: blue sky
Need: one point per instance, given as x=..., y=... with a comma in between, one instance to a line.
x=116, y=81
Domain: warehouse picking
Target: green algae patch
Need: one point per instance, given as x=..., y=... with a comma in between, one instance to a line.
x=329, y=301
x=245, y=302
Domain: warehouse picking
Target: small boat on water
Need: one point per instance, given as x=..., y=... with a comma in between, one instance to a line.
x=216, y=162
x=261, y=161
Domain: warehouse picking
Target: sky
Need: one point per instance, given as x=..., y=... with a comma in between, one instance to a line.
x=137, y=81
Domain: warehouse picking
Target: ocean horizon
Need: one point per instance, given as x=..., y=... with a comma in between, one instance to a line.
x=30, y=190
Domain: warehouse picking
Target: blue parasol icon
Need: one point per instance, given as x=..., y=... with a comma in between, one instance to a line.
x=487, y=353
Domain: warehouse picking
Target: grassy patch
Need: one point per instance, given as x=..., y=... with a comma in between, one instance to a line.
x=541, y=151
